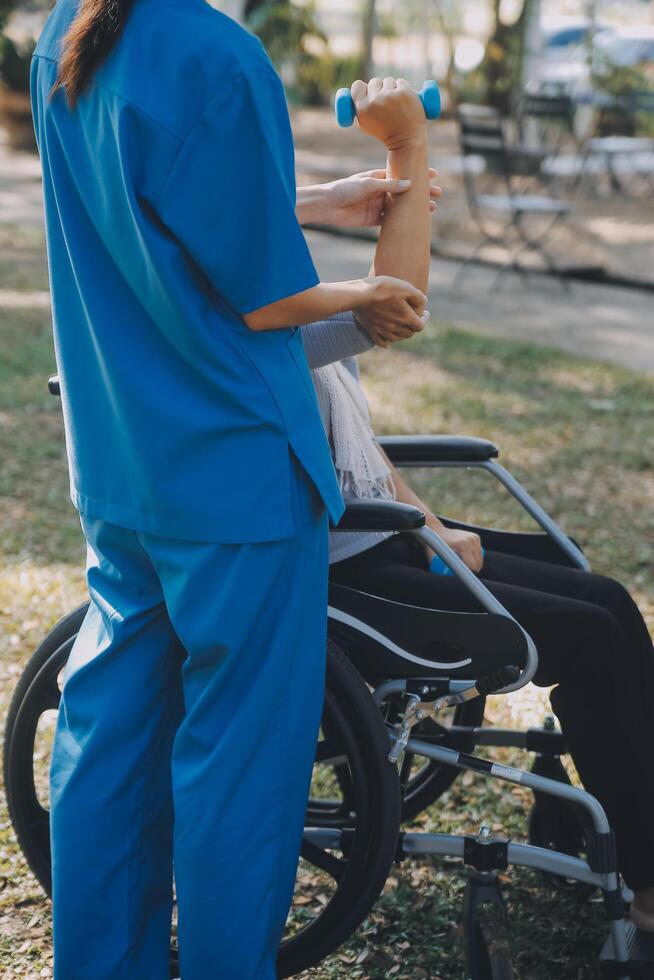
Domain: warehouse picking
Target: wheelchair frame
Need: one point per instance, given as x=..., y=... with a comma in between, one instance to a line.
x=486, y=854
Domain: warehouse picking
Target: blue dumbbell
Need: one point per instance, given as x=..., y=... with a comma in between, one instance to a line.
x=430, y=96
x=438, y=567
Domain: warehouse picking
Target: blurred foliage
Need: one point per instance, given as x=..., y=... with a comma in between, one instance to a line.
x=6, y=7
x=296, y=45
x=15, y=64
x=498, y=76
x=300, y=50
x=629, y=85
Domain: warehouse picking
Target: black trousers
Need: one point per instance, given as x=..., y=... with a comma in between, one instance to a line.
x=593, y=644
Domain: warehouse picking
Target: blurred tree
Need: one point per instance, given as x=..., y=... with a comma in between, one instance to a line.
x=15, y=55
x=15, y=65
x=498, y=79
x=368, y=31
x=6, y=6
x=296, y=45
x=449, y=23
x=15, y=58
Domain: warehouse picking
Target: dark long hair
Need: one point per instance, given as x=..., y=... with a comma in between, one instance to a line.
x=88, y=41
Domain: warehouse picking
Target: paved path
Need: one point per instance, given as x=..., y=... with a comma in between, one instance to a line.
x=602, y=322
x=20, y=187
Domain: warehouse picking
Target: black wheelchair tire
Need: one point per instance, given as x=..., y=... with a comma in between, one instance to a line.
x=369, y=867
x=29, y=820
x=372, y=848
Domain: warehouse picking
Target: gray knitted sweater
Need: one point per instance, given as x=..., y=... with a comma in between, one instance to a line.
x=338, y=339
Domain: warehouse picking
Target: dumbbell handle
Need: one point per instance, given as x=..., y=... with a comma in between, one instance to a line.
x=345, y=109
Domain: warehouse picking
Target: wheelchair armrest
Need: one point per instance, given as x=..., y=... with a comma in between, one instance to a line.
x=426, y=450
x=379, y=515
x=53, y=385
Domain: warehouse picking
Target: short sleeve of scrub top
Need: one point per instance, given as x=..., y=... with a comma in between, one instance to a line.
x=229, y=197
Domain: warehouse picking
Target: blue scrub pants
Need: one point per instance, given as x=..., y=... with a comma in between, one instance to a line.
x=186, y=736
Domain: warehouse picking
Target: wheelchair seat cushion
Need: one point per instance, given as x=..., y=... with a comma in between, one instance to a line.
x=387, y=639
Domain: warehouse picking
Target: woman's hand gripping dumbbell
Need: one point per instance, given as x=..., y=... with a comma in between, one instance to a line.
x=349, y=103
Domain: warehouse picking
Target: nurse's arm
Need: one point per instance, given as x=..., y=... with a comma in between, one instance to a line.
x=358, y=201
x=399, y=301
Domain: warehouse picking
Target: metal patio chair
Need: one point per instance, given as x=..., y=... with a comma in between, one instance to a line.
x=625, y=156
x=482, y=137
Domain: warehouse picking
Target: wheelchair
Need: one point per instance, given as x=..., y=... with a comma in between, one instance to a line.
x=403, y=713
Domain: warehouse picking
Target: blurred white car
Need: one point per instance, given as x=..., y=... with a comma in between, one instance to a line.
x=574, y=53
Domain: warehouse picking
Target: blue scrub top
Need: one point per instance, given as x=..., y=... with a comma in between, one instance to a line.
x=170, y=211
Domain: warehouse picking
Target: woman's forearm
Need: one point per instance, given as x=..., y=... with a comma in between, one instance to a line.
x=403, y=248
x=327, y=341
x=405, y=494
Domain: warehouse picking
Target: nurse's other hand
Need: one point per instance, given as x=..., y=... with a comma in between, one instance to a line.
x=390, y=110
x=359, y=201
x=393, y=310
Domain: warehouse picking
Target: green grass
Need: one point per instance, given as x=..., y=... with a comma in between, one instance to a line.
x=578, y=433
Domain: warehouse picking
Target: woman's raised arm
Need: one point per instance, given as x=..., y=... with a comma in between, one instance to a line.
x=391, y=111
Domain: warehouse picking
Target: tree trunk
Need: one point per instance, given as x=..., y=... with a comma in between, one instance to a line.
x=369, y=28
x=502, y=62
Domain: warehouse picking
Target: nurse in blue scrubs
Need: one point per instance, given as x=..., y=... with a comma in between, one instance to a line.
x=201, y=472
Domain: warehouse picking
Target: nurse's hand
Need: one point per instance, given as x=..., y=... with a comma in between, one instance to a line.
x=355, y=202
x=359, y=201
x=394, y=310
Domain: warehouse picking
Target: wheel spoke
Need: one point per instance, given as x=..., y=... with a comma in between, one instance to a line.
x=328, y=806
x=335, y=867
x=328, y=752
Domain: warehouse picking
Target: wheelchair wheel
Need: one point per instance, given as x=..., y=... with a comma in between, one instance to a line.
x=425, y=780
x=354, y=796
x=28, y=740
x=558, y=826
x=355, y=791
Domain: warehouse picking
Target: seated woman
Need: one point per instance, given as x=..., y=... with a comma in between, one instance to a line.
x=593, y=644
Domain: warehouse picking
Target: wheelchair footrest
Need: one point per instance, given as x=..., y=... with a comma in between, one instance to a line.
x=640, y=965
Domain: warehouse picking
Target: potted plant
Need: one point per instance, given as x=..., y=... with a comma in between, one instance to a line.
x=16, y=49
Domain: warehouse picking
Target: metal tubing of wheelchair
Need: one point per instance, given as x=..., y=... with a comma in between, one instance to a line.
x=398, y=686
x=518, y=492
x=524, y=855
x=609, y=882
x=329, y=838
x=484, y=597
x=541, y=516
x=531, y=780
